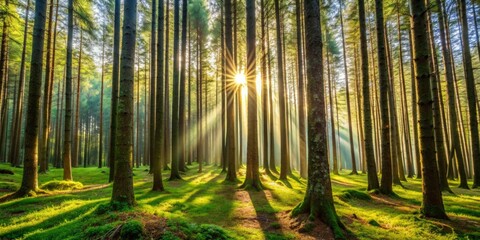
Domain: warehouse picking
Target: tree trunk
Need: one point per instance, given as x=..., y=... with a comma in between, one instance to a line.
x=230, y=71
x=332, y=118
x=43, y=141
x=67, y=146
x=75, y=151
x=158, y=153
x=181, y=120
x=270, y=100
x=3, y=55
x=281, y=95
x=123, y=181
x=252, y=178
x=318, y=201
x=100, y=137
x=405, y=114
x=386, y=183
x=349, y=112
x=432, y=196
x=368, y=138
x=265, y=89
x=30, y=176
x=17, y=117
x=471, y=94
x=176, y=87
x=153, y=95
x=115, y=91
x=167, y=142
x=438, y=128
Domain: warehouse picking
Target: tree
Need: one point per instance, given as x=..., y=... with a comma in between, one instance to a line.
x=432, y=205
x=181, y=119
x=17, y=119
x=252, y=177
x=386, y=184
x=471, y=94
x=367, y=120
x=230, y=72
x=264, y=90
x=454, y=135
x=318, y=201
x=67, y=146
x=174, y=174
x=100, y=137
x=156, y=160
x=281, y=95
x=115, y=90
x=123, y=181
x=301, y=93
x=153, y=78
x=349, y=112
x=47, y=93
x=30, y=162
x=3, y=56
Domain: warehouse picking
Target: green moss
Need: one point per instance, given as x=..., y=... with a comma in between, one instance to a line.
x=167, y=235
x=203, y=199
x=275, y=225
x=111, y=207
x=132, y=229
x=98, y=231
x=354, y=194
x=61, y=185
x=8, y=186
x=374, y=223
x=195, y=231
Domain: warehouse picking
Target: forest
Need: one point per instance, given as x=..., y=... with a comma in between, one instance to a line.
x=239, y=119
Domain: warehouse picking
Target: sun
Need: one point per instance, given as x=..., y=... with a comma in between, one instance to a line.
x=240, y=79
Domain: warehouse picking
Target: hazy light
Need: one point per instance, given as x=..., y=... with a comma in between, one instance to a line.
x=240, y=79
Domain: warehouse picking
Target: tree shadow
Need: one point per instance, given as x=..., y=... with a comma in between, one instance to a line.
x=266, y=215
x=59, y=218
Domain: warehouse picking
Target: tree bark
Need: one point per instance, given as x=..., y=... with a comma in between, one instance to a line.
x=30, y=175
x=471, y=94
x=432, y=196
x=252, y=178
x=176, y=87
x=386, y=183
x=367, y=117
x=318, y=201
x=281, y=95
x=67, y=146
x=230, y=71
x=115, y=91
x=159, y=151
x=123, y=181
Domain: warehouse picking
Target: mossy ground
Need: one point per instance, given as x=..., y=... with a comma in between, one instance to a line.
x=202, y=200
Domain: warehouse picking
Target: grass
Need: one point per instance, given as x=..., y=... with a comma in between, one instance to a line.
x=202, y=206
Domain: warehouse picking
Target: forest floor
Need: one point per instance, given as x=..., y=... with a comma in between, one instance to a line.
x=195, y=206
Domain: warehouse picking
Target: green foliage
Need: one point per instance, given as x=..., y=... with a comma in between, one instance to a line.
x=61, y=185
x=132, y=229
x=167, y=235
